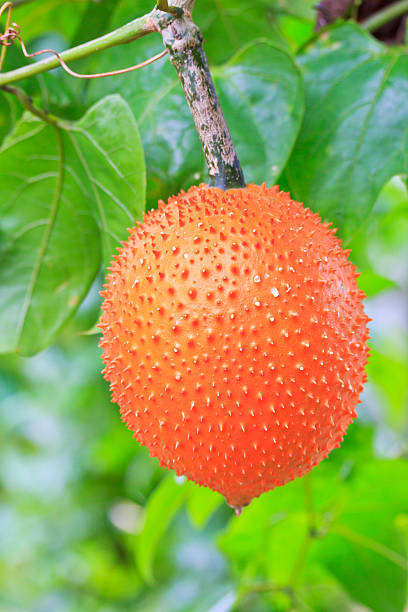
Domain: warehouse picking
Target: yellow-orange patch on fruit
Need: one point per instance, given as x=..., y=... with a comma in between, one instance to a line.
x=234, y=338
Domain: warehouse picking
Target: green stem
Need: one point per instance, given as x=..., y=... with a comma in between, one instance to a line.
x=183, y=41
x=126, y=34
x=311, y=533
x=264, y=587
x=27, y=103
x=354, y=9
x=385, y=16
x=309, y=504
x=300, y=561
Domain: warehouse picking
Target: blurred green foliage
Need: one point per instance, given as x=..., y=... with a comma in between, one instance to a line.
x=89, y=522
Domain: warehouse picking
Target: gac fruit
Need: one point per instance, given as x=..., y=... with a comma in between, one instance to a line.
x=234, y=338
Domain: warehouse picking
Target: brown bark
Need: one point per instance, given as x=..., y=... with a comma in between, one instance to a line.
x=329, y=11
x=184, y=42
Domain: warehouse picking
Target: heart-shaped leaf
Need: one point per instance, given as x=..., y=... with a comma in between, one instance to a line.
x=67, y=193
x=260, y=90
x=354, y=134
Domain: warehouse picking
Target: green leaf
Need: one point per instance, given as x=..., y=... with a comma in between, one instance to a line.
x=364, y=549
x=163, y=504
x=321, y=592
x=301, y=9
x=95, y=21
x=401, y=523
x=107, y=144
x=389, y=374
x=37, y=18
x=67, y=194
x=372, y=284
x=8, y=114
x=364, y=512
x=228, y=25
x=357, y=447
x=297, y=32
x=170, y=142
x=353, y=138
x=260, y=88
x=256, y=539
x=202, y=503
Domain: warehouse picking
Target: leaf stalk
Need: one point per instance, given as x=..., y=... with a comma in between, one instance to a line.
x=386, y=15
x=125, y=34
x=27, y=102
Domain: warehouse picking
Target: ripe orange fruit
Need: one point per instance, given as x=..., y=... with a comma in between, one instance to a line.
x=234, y=338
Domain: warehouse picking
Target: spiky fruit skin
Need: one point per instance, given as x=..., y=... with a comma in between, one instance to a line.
x=234, y=338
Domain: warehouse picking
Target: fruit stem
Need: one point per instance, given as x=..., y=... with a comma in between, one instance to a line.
x=237, y=509
x=184, y=42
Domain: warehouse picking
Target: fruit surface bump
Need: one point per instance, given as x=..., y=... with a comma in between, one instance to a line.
x=234, y=338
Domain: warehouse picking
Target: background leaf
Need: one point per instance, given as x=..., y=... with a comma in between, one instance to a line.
x=36, y=18
x=9, y=112
x=202, y=503
x=67, y=194
x=372, y=283
x=228, y=25
x=259, y=88
x=381, y=365
x=350, y=143
x=94, y=22
x=255, y=540
x=364, y=549
x=107, y=142
x=163, y=504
